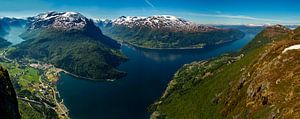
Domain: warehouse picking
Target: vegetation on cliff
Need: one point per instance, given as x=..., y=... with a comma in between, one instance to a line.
x=166, y=32
x=4, y=43
x=76, y=51
x=164, y=38
x=261, y=81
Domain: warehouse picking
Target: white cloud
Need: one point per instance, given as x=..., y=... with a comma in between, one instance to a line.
x=235, y=17
x=150, y=4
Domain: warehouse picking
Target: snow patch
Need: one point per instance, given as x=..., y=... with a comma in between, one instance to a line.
x=293, y=47
x=161, y=21
x=66, y=20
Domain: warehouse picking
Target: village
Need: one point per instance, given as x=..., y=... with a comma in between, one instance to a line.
x=36, y=83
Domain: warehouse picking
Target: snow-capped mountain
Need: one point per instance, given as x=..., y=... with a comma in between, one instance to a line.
x=165, y=31
x=158, y=22
x=72, y=42
x=103, y=22
x=63, y=20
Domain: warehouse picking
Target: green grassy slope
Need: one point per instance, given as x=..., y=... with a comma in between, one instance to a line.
x=237, y=86
x=165, y=38
x=78, y=52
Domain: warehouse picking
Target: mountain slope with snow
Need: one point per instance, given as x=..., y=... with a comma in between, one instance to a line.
x=64, y=20
x=72, y=42
x=165, y=32
x=159, y=22
x=162, y=22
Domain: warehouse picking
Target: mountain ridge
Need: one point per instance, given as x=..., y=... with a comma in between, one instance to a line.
x=61, y=20
x=166, y=32
x=89, y=53
x=158, y=22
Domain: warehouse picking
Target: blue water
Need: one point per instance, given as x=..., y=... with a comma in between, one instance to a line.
x=13, y=35
x=128, y=98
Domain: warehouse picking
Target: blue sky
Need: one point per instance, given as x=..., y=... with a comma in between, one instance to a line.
x=200, y=11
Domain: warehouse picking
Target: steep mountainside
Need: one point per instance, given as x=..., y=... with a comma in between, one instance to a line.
x=7, y=22
x=72, y=42
x=166, y=32
x=252, y=29
x=262, y=81
x=8, y=100
x=2, y=31
x=4, y=43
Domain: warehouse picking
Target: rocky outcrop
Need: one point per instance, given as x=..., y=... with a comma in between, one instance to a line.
x=8, y=99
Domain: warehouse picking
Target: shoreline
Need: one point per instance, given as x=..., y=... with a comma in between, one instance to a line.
x=122, y=42
x=81, y=77
x=147, y=48
x=50, y=73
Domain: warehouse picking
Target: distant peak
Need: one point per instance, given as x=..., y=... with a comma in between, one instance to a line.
x=170, y=17
x=253, y=25
x=278, y=26
x=161, y=21
x=153, y=21
x=122, y=17
x=65, y=20
x=53, y=14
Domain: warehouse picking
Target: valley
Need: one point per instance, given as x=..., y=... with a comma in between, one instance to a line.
x=130, y=96
x=35, y=84
x=149, y=59
x=89, y=53
x=49, y=75
x=44, y=89
x=34, y=81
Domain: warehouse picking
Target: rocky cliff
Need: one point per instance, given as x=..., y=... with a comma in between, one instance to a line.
x=8, y=100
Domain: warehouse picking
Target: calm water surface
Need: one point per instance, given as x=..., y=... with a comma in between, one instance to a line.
x=13, y=35
x=128, y=98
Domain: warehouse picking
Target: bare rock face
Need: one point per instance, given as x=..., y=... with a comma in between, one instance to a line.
x=8, y=100
x=271, y=83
